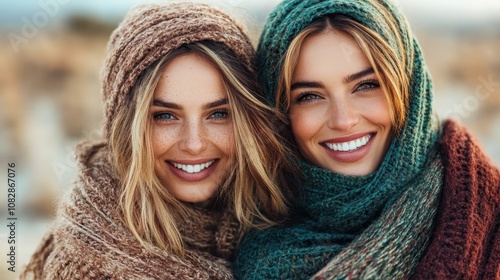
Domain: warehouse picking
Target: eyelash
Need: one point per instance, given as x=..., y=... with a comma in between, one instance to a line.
x=164, y=116
x=220, y=111
x=161, y=116
x=307, y=97
x=373, y=84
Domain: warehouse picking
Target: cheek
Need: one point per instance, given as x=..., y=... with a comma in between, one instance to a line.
x=305, y=123
x=162, y=139
x=223, y=138
x=377, y=111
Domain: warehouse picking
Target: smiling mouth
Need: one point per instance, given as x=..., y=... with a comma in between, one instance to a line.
x=195, y=168
x=349, y=146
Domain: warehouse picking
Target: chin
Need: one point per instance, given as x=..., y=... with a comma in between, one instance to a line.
x=196, y=198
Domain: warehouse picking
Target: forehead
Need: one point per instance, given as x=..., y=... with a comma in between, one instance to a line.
x=331, y=51
x=190, y=77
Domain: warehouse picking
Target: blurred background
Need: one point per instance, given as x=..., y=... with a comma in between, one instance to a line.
x=51, y=53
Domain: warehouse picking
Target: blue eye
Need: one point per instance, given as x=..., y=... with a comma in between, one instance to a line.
x=219, y=115
x=163, y=116
x=306, y=97
x=367, y=85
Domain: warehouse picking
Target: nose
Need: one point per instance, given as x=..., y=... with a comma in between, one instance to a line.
x=193, y=138
x=341, y=116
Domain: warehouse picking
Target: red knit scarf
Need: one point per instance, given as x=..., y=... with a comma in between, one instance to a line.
x=466, y=240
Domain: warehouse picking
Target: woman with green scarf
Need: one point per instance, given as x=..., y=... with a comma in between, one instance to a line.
x=389, y=191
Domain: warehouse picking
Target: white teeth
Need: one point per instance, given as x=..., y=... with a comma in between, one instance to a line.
x=350, y=145
x=193, y=168
x=345, y=146
x=197, y=168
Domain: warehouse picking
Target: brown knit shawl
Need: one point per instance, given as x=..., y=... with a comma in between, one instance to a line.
x=88, y=240
x=466, y=240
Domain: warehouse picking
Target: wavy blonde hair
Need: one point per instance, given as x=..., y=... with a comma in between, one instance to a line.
x=253, y=190
x=391, y=69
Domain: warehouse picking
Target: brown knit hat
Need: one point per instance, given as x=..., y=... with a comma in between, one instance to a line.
x=150, y=31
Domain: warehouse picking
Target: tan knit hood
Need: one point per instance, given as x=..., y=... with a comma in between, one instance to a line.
x=150, y=31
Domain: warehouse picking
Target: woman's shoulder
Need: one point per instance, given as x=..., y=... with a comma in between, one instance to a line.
x=85, y=249
x=98, y=183
x=466, y=238
x=463, y=156
x=470, y=177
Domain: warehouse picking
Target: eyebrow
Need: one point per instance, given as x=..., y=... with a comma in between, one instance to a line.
x=161, y=103
x=356, y=76
x=348, y=79
x=217, y=103
x=169, y=105
x=306, y=84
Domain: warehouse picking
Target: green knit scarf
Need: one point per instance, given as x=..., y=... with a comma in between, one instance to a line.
x=389, y=246
x=337, y=215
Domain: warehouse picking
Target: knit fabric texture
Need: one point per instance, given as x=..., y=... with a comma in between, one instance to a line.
x=150, y=31
x=365, y=227
x=465, y=243
x=364, y=196
x=389, y=248
x=341, y=208
x=88, y=240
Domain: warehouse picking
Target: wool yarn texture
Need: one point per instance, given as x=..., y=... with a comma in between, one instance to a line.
x=430, y=211
x=150, y=31
x=88, y=239
x=465, y=243
x=334, y=210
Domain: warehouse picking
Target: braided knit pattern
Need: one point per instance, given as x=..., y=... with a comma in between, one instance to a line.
x=150, y=31
x=88, y=240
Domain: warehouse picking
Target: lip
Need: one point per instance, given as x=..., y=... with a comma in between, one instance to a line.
x=353, y=156
x=349, y=137
x=192, y=161
x=193, y=177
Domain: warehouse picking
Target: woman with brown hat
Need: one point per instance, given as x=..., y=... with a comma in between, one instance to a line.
x=188, y=163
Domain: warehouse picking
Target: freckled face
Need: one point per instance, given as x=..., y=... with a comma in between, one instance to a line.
x=192, y=133
x=339, y=115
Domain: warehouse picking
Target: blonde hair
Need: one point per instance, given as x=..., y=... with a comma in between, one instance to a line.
x=389, y=66
x=252, y=189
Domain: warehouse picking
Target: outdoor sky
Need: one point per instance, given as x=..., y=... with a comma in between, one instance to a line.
x=464, y=11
